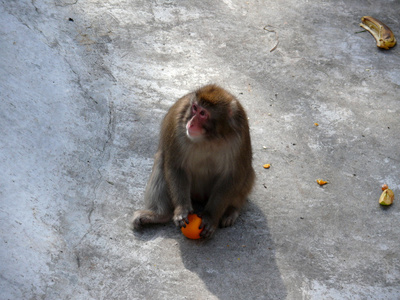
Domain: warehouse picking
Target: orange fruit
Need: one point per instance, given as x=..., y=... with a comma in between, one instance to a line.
x=192, y=230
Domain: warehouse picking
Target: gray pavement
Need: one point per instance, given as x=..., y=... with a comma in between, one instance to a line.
x=83, y=88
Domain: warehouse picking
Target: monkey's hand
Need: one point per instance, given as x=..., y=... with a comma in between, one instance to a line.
x=208, y=226
x=181, y=216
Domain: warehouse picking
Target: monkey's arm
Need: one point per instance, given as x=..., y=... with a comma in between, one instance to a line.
x=179, y=189
x=225, y=197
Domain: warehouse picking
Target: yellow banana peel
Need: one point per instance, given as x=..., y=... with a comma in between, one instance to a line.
x=384, y=37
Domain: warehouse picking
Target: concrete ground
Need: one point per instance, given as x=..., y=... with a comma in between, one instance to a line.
x=83, y=88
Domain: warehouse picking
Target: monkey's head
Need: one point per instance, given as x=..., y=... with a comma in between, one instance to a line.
x=211, y=114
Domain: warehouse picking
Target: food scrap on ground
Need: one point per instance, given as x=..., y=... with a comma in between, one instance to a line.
x=321, y=182
x=383, y=35
x=387, y=196
x=266, y=166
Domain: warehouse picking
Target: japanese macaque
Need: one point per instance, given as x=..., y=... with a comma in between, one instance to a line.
x=204, y=159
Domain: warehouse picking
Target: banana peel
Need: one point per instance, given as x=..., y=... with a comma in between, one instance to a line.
x=386, y=197
x=383, y=35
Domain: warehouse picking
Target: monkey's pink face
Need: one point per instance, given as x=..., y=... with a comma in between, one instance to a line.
x=195, y=127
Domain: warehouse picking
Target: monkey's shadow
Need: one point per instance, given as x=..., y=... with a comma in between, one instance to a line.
x=239, y=261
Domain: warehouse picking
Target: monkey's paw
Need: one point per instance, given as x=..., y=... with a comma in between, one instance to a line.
x=208, y=227
x=181, y=217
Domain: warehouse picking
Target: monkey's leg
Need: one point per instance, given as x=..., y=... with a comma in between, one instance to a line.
x=158, y=206
x=143, y=217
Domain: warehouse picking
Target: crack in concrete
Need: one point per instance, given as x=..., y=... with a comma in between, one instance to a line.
x=105, y=152
x=64, y=3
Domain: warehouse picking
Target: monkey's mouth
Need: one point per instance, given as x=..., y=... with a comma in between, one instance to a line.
x=195, y=134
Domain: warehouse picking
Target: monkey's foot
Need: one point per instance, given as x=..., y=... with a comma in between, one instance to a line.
x=144, y=217
x=229, y=218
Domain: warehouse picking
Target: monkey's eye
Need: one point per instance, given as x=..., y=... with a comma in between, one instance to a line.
x=194, y=107
x=202, y=113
